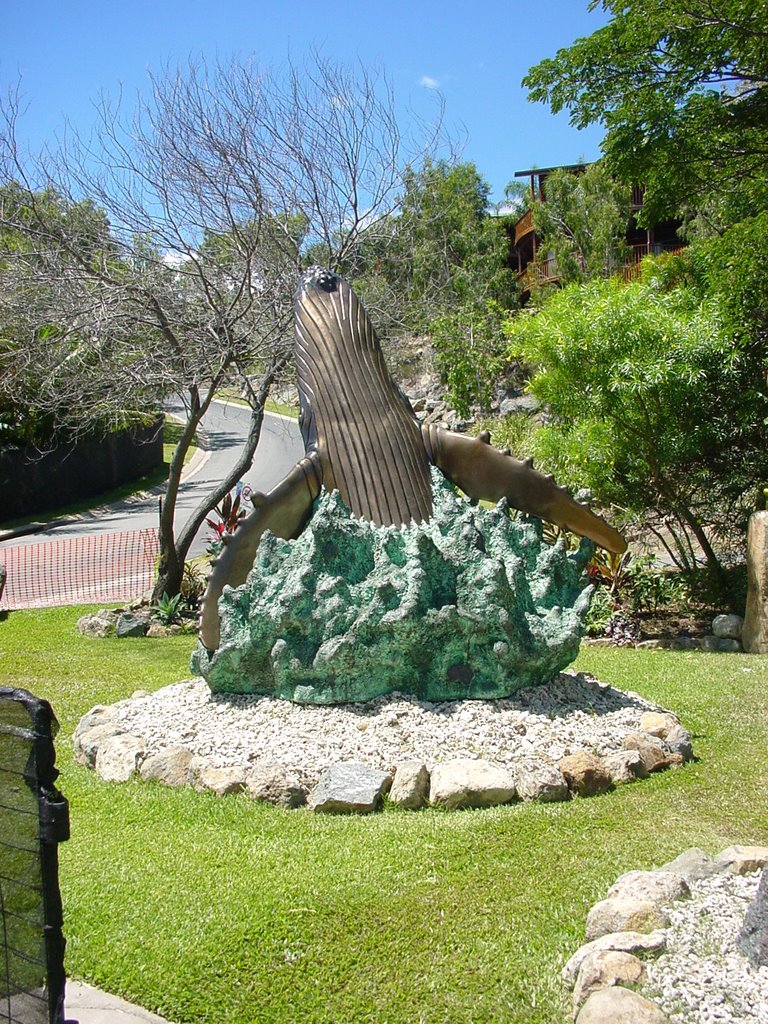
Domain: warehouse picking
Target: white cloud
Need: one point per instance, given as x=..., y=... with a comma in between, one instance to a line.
x=428, y=82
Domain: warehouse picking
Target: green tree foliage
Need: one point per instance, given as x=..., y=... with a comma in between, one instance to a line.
x=456, y=252
x=38, y=314
x=658, y=401
x=680, y=86
x=583, y=223
x=469, y=349
x=442, y=250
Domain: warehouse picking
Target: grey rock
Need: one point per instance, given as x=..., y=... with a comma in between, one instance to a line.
x=754, y=635
x=350, y=788
x=544, y=783
x=659, y=887
x=605, y=968
x=627, y=942
x=98, y=715
x=742, y=860
x=625, y=766
x=684, y=643
x=169, y=766
x=678, y=741
x=221, y=781
x=89, y=741
x=728, y=627
x=623, y=914
x=410, y=786
x=468, y=782
x=515, y=404
x=119, y=757
x=692, y=865
x=94, y=627
x=130, y=624
x=274, y=784
x=651, y=750
x=620, y=1006
x=753, y=937
x=585, y=773
x=719, y=646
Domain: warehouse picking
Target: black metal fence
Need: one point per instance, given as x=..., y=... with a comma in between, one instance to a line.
x=34, y=818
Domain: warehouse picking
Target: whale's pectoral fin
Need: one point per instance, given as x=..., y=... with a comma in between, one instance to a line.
x=481, y=471
x=284, y=510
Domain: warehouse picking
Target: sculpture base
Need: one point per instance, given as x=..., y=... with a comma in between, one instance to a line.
x=472, y=604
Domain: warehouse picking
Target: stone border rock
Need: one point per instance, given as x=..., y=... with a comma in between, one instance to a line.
x=128, y=622
x=107, y=745
x=607, y=972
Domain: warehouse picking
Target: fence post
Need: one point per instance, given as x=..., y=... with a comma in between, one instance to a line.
x=34, y=819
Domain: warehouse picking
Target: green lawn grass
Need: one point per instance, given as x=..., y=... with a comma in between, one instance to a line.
x=211, y=910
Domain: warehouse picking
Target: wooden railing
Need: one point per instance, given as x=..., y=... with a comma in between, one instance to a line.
x=524, y=226
x=545, y=271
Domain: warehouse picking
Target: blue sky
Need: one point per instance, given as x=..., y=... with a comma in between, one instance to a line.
x=68, y=51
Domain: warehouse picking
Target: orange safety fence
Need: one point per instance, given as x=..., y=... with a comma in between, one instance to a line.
x=79, y=570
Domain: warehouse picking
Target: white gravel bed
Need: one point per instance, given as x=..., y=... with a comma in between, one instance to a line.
x=543, y=723
x=703, y=977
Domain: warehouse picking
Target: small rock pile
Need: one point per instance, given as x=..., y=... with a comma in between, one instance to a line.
x=126, y=623
x=575, y=736
x=688, y=915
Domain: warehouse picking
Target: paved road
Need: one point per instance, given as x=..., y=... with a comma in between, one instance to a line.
x=226, y=427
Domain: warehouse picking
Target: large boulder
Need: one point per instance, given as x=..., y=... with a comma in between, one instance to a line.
x=350, y=788
x=620, y=1006
x=467, y=782
x=410, y=786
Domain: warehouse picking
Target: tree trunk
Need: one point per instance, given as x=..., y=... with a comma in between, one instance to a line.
x=173, y=550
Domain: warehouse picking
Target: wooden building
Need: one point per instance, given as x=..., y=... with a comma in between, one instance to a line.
x=659, y=238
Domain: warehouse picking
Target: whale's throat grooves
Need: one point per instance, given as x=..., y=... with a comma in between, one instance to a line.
x=366, y=435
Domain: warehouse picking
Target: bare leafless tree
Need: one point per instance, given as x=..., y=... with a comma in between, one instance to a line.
x=212, y=189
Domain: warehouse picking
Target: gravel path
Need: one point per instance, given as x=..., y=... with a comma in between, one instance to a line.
x=544, y=723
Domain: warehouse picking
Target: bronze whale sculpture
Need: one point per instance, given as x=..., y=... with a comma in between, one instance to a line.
x=363, y=439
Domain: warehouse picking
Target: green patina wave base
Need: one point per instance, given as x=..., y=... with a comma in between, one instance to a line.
x=472, y=604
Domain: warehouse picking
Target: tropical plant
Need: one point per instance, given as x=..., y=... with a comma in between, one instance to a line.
x=229, y=515
x=168, y=609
